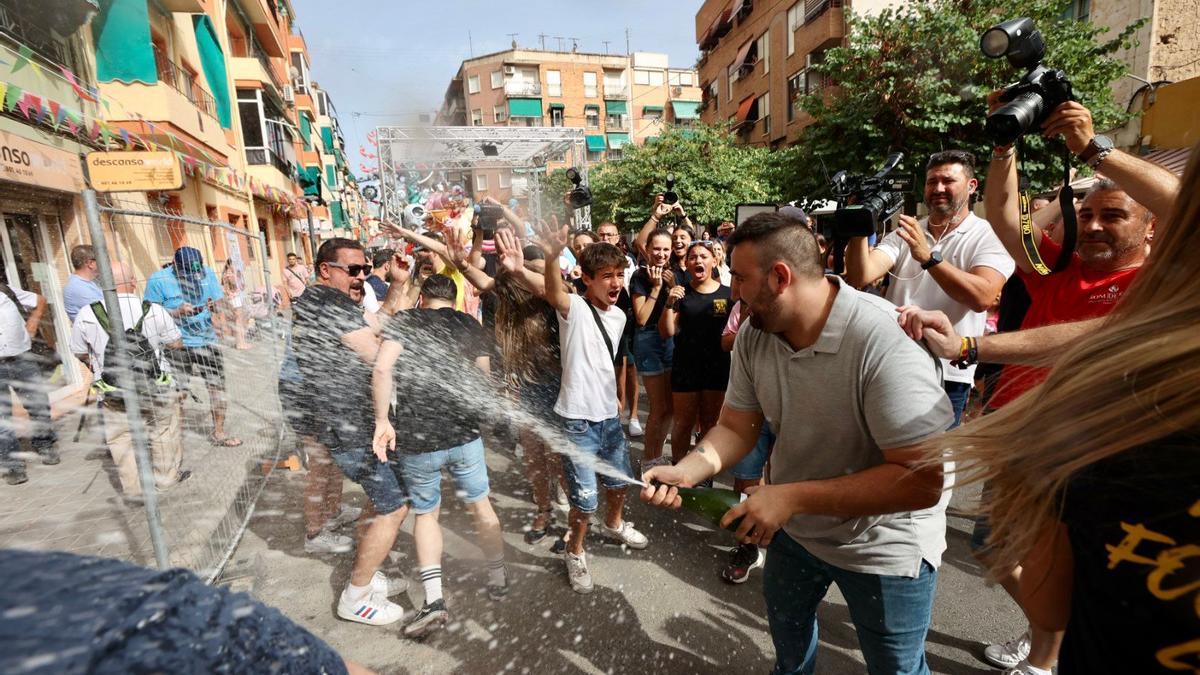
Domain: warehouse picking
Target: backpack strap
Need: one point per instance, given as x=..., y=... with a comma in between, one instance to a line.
x=21, y=309
x=101, y=315
x=603, y=333
x=145, y=310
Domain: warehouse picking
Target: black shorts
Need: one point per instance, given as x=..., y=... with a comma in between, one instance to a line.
x=206, y=362
x=688, y=375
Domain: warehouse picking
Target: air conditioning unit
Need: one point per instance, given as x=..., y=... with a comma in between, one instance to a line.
x=676, y=91
x=289, y=94
x=510, y=70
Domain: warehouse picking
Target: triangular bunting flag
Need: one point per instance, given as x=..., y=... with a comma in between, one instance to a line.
x=125, y=137
x=3, y=93
x=24, y=105
x=23, y=55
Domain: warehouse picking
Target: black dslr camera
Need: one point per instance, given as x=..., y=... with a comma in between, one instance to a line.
x=669, y=195
x=1031, y=100
x=865, y=202
x=579, y=196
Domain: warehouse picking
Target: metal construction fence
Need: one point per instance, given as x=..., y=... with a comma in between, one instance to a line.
x=164, y=461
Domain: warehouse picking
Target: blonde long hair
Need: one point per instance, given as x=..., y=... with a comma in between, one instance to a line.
x=1132, y=382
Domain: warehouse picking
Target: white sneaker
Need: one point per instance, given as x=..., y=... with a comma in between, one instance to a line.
x=577, y=572
x=328, y=542
x=347, y=515
x=374, y=609
x=1024, y=668
x=635, y=428
x=1010, y=654
x=389, y=586
x=626, y=534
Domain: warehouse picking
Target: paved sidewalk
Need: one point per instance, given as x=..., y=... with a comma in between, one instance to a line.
x=659, y=610
x=76, y=506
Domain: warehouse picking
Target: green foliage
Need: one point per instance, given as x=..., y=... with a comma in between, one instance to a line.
x=913, y=79
x=713, y=175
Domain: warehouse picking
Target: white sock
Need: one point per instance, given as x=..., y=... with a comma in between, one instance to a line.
x=496, y=572
x=431, y=579
x=1033, y=670
x=356, y=593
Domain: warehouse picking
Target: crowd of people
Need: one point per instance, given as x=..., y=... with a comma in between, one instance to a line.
x=839, y=405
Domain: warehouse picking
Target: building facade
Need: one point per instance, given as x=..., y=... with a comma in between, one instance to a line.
x=213, y=82
x=618, y=99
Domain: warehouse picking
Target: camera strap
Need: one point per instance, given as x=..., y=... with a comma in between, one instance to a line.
x=1066, y=201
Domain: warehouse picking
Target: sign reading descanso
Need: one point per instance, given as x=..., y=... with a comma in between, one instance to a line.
x=25, y=161
x=134, y=171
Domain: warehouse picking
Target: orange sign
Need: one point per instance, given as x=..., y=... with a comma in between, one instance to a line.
x=32, y=163
x=134, y=171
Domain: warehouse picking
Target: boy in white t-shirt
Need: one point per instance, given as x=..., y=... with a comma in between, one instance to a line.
x=590, y=327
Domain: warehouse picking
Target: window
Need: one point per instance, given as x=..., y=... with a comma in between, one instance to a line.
x=505, y=180
x=556, y=117
x=764, y=112
x=497, y=79
x=481, y=181
x=813, y=82
x=592, y=115
x=477, y=117
x=616, y=154
x=553, y=83
x=764, y=51
x=590, y=88
x=499, y=113
x=652, y=116
x=641, y=77
x=678, y=79
x=473, y=84
x=616, y=122
x=595, y=156
x=731, y=74
x=794, y=90
x=795, y=17
x=526, y=122
x=1078, y=10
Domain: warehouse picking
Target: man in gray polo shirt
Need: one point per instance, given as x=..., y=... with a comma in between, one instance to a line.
x=848, y=396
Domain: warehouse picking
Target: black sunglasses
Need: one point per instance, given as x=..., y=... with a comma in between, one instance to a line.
x=353, y=270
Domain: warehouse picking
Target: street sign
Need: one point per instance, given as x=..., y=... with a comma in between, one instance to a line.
x=134, y=171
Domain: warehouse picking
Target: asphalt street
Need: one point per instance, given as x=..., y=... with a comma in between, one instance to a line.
x=663, y=609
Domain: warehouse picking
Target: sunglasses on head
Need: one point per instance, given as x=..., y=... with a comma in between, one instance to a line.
x=353, y=270
x=701, y=242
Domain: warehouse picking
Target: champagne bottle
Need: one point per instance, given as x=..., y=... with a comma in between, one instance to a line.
x=711, y=503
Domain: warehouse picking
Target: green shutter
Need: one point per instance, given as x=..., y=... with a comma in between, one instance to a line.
x=331, y=177
x=651, y=108
x=327, y=139
x=616, y=107
x=124, y=52
x=306, y=131
x=310, y=180
x=596, y=144
x=339, y=216
x=212, y=62
x=525, y=107
x=617, y=141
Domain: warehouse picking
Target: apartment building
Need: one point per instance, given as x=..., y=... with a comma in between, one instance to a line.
x=756, y=58
x=618, y=99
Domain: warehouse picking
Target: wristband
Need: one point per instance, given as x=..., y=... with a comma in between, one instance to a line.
x=968, y=354
x=1004, y=155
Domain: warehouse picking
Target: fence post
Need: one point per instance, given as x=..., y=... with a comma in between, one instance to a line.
x=133, y=410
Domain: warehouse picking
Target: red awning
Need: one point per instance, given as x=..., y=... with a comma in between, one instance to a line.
x=703, y=41
x=725, y=21
x=744, y=109
x=743, y=54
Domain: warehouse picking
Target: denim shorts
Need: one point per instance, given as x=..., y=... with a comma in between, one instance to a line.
x=423, y=475
x=384, y=487
x=751, y=466
x=600, y=440
x=652, y=354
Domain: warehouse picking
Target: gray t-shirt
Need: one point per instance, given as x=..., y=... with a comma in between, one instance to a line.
x=863, y=386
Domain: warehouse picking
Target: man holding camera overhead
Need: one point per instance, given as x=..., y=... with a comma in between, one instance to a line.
x=951, y=261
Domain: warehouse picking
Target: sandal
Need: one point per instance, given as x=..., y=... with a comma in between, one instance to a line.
x=533, y=536
x=226, y=442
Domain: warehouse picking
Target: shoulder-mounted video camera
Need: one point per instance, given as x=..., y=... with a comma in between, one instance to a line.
x=863, y=202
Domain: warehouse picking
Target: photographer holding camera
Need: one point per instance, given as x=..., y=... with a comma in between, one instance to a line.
x=950, y=261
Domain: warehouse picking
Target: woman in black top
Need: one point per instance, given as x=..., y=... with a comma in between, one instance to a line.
x=694, y=316
x=1094, y=475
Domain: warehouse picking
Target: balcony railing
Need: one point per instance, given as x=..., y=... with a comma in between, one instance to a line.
x=616, y=92
x=265, y=156
x=184, y=82
x=813, y=8
x=30, y=29
x=523, y=89
x=617, y=123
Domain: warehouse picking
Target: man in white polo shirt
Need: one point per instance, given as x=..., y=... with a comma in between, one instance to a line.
x=951, y=261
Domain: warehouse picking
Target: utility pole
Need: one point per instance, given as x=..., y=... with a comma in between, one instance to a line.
x=470, y=44
x=627, y=41
x=606, y=43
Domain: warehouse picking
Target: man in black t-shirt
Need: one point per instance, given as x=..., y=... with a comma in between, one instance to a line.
x=335, y=345
x=441, y=358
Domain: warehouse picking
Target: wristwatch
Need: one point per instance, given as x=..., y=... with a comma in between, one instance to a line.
x=1096, y=151
x=934, y=258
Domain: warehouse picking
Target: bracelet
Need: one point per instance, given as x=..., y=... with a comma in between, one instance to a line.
x=653, y=220
x=968, y=354
x=1004, y=155
x=964, y=347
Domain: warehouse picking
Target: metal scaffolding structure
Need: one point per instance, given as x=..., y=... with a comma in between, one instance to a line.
x=525, y=150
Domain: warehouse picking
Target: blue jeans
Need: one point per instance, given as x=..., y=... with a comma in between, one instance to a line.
x=958, y=392
x=382, y=483
x=604, y=441
x=891, y=614
x=751, y=466
x=423, y=475
x=23, y=373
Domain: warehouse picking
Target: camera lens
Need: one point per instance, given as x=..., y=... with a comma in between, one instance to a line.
x=994, y=43
x=1014, y=119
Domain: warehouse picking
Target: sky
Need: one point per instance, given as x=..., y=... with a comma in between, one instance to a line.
x=385, y=61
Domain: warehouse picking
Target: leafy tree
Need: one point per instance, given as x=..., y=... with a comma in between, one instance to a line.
x=713, y=175
x=913, y=79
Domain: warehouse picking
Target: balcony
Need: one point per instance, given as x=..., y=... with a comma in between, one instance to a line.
x=616, y=92
x=31, y=28
x=522, y=89
x=184, y=82
x=268, y=157
x=255, y=68
x=814, y=8
x=616, y=123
